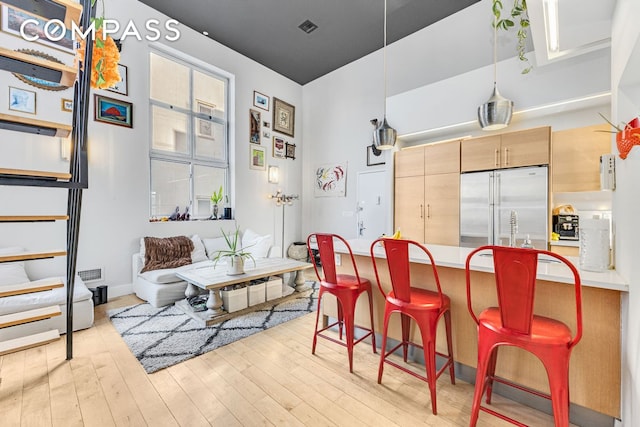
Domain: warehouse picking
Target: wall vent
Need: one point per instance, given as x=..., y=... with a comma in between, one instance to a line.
x=92, y=275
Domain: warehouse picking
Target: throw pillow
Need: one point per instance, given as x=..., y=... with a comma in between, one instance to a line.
x=169, y=252
x=12, y=273
x=199, y=252
x=258, y=246
x=215, y=245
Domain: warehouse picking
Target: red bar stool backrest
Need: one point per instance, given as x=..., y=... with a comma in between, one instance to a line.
x=326, y=249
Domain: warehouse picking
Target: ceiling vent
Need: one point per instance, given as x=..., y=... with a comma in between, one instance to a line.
x=308, y=26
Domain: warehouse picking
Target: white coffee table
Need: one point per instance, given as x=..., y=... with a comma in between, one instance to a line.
x=214, y=278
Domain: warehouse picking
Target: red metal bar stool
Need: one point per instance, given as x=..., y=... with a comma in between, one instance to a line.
x=346, y=288
x=425, y=307
x=514, y=323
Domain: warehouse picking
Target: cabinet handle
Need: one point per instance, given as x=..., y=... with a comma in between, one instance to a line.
x=506, y=157
x=497, y=157
x=421, y=211
x=428, y=211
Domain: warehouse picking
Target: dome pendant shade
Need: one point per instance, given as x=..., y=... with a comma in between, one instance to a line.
x=496, y=112
x=384, y=137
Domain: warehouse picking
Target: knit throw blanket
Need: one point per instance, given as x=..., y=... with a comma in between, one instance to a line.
x=168, y=252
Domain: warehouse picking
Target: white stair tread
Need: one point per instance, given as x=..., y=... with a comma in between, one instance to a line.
x=29, y=341
x=30, y=287
x=27, y=316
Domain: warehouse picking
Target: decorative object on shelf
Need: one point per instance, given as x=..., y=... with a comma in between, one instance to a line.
x=66, y=105
x=260, y=100
x=13, y=18
x=384, y=137
x=496, y=112
x=22, y=100
x=290, y=151
x=106, y=56
x=331, y=180
x=298, y=251
x=36, y=82
x=627, y=135
x=284, y=115
x=372, y=153
x=278, y=147
x=257, y=158
x=520, y=14
x=235, y=254
x=283, y=200
x=216, y=198
x=254, y=127
x=175, y=215
x=122, y=86
x=113, y=111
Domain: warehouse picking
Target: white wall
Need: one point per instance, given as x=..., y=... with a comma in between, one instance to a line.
x=115, y=207
x=625, y=80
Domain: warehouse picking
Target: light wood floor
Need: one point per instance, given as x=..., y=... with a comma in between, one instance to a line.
x=269, y=378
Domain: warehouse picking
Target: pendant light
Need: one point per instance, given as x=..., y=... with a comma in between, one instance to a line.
x=384, y=137
x=496, y=112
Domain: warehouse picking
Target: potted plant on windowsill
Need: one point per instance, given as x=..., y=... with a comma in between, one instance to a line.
x=216, y=198
x=235, y=254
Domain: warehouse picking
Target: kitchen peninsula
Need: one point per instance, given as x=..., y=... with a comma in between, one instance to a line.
x=595, y=362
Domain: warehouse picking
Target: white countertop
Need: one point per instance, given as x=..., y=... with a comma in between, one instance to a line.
x=456, y=257
x=569, y=243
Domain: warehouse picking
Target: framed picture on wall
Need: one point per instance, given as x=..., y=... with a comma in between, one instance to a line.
x=204, y=128
x=260, y=100
x=284, y=115
x=278, y=147
x=122, y=87
x=13, y=19
x=113, y=111
x=22, y=100
x=254, y=126
x=257, y=159
x=374, y=156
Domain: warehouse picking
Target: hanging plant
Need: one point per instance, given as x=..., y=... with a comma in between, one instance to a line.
x=106, y=56
x=520, y=15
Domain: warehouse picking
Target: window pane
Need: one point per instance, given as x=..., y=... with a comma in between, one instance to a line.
x=169, y=81
x=210, y=140
x=169, y=130
x=206, y=180
x=169, y=187
x=209, y=95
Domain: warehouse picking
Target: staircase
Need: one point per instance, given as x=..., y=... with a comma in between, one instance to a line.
x=74, y=181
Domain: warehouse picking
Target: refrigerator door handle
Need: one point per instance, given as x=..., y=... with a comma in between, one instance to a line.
x=491, y=201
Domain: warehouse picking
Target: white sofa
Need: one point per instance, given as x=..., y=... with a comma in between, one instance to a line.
x=13, y=273
x=162, y=287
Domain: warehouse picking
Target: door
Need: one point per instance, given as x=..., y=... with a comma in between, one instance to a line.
x=476, y=210
x=523, y=191
x=442, y=198
x=373, y=205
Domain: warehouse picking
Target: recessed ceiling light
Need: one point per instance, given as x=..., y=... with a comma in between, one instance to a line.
x=206, y=33
x=308, y=26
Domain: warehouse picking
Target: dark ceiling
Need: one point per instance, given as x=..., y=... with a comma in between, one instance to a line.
x=267, y=30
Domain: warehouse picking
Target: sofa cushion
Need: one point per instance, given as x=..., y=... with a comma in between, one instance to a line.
x=12, y=273
x=258, y=246
x=214, y=245
x=199, y=252
x=16, y=303
x=168, y=252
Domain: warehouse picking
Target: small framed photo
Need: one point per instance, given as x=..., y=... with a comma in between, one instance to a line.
x=204, y=127
x=278, y=147
x=113, y=111
x=66, y=104
x=266, y=124
x=374, y=156
x=257, y=158
x=290, y=151
x=260, y=100
x=266, y=134
x=284, y=115
x=22, y=100
x=254, y=126
x=122, y=87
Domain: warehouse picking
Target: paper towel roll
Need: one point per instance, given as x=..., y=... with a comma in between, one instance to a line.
x=594, y=244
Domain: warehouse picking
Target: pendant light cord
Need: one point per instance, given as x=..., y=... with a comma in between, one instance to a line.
x=384, y=59
x=495, y=50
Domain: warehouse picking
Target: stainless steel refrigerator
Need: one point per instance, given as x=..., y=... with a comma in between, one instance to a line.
x=487, y=200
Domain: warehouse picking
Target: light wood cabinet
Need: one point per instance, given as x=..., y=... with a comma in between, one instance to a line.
x=427, y=205
x=513, y=149
x=575, y=158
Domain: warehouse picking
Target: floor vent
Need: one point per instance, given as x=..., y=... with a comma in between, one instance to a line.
x=93, y=275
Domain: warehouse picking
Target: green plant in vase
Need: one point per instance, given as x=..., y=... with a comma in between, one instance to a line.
x=216, y=198
x=235, y=253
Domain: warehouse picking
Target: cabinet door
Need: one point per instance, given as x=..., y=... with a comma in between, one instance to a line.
x=409, y=207
x=442, y=198
x=526, y=148
x=575, y=158
x=442, y=157
x=478, y=154
x=410, y=162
